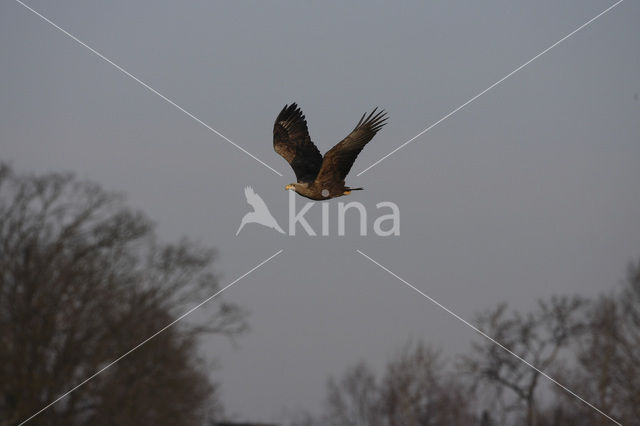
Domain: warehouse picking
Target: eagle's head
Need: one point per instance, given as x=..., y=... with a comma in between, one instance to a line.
x=298, y=186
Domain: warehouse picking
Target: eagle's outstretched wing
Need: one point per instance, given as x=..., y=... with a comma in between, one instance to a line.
x=291, y=140
x=339, y=159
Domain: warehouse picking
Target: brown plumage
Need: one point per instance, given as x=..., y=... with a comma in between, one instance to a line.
x=321, y=178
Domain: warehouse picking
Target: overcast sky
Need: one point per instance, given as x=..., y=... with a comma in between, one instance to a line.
x=530, y=190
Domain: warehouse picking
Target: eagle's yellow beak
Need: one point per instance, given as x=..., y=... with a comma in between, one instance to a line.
x=290, y=186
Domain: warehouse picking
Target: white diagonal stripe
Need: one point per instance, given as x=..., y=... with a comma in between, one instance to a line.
x=486, y=336
x=146, y=86
x=190, y=311
x=492, y=86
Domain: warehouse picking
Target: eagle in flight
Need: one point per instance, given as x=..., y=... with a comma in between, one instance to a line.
x=321, y=178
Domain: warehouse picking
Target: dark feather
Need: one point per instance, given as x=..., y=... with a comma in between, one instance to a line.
x=291, y=140
x=339, y=159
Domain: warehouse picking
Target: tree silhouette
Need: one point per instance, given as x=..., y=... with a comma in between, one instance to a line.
x=82, y=281
x=416, y=389
x=607, y=368
x=538, y=337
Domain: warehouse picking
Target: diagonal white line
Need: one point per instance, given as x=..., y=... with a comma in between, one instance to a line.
x=146, y=86
x=150, y=337
x=492, y=86
x=483, y=334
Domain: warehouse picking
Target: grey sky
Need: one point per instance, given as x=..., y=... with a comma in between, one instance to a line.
x=529, y=191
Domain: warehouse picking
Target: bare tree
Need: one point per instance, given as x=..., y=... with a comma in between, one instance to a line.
x=82, y=281
x=539, y=337
x=416, y=390
x=607, y=371
x=353, y=399
x=591, y=346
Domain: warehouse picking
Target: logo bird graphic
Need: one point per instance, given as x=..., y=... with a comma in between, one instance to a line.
x=260, y=213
